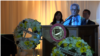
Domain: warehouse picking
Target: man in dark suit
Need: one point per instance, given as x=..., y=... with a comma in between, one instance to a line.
x=74, y=18
x=86, y=15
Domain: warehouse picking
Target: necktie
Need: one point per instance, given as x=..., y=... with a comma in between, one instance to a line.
x=73, y=21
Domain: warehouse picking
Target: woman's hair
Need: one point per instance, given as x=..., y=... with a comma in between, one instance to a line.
x=54, y=19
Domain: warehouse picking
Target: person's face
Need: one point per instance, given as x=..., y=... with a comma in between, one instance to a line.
x=58, y=16
x=86, y=15
x=74, y=10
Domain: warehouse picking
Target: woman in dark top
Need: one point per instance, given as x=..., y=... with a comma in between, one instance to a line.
x=57, y=18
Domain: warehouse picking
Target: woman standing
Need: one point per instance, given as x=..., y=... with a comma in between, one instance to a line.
x=57, y=18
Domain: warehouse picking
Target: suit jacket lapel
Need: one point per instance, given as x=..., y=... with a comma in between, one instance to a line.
x=81, y=20
x=70, y=21
x=88, y=22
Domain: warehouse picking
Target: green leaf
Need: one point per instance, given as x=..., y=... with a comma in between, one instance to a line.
x=2, y=34
x=72, y=36
x=92, y=51
x=73, y=50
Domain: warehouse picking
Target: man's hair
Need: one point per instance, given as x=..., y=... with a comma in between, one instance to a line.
x=87, y=11
x=75, y=5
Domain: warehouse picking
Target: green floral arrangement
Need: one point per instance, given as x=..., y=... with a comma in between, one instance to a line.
x=28, y=43
x=74, y=46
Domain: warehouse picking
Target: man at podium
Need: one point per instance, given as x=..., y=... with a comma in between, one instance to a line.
x=74, y=18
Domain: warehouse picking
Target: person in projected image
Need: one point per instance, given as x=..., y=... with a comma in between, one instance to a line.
x=74, y=18
x=57, y=18
x=86, y=15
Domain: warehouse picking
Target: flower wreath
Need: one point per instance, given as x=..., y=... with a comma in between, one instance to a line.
x=74, y=46
x=28, y=43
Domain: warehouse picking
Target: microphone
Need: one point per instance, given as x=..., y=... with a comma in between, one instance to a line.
x=69, y=18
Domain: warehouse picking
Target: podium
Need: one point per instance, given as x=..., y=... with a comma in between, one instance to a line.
x=87, y=32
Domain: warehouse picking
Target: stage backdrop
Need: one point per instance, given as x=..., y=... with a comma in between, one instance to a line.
x=12, y=12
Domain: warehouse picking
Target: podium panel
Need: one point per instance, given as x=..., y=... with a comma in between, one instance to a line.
x=87, y=32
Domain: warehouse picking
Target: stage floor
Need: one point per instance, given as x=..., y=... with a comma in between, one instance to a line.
x=30, y=52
